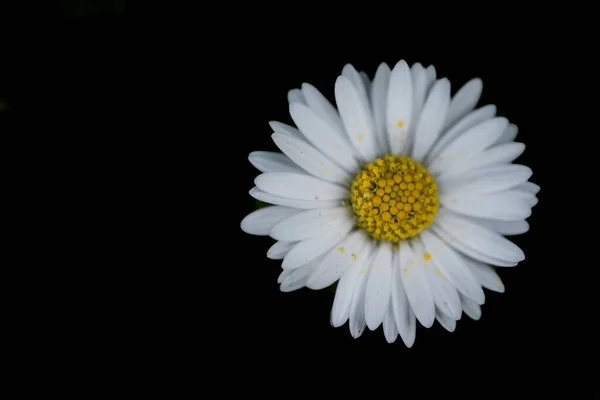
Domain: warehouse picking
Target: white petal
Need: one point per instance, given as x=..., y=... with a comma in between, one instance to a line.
x=509, y=134
x=352, y=74
x=464, y=101
x=366, y=81
x=477, y=242
x=389, y=325
x=431, y=119
x=486, y=275
x=310, y=223
x=261, y=221
x=416, y=286
x=465, y=250
x=492, y=179
x=356, y=117
x=379, y=93
x=283, y=201
x=340, y=310
x=338, y=260
x=279, y=127
x=472, y=309
x=473, y=141
x=296, y=96
x=308, y=249
x=431, y=76
x=310, y=159
x=379, y=285
x=444, y=294
x=453, y=267
x=529, y=187
x=506, y=228
x=399, y=107
x=501, y=154
x=279, y=250
x=470, y=120
x=284, y=274
x=324, y=136
x=321, y=106
x=299, y=186
x=403, y=314
x=357, y=304
x=445, y=321
x=499, y=206
x=268, y=161
x=297, y=279
x=419, y=81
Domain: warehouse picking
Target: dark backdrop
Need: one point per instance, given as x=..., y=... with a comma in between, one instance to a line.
x=168, y=103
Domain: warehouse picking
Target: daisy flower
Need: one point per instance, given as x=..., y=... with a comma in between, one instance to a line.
x=403, y=195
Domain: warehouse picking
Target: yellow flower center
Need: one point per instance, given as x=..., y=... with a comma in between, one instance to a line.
x=394, y=198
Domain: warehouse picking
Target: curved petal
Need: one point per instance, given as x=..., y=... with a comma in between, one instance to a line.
x=389, y=325
x=379, y=283
x=403, y=315
x=296, y=96
x=445, y=321
x=493, y=179
x=324, y=136
x=464, y=101
x=444, y=293
x=416, y=286
x=509, y=134
x=472, y=309
x=299, y=186
x=279, y=127
x=357, y=304
x=340, y=311
x=399, y=107
x=498, y=206
x=379, y=93
x=297, y=278
x=294, y=203
x=473, y=141
x=356, y=117
x=261, y=221
x=309, y=223
x=268, y=161
x=453, y=267
x=279, y=250
x=321, y=106
x=506, y=228
x=366, y=82
x=432, y=119
x=338, y=261
x=311, y=248
x=501, y=154
x=486, y=275
x=420, y=86
x=477, y=242
x=469, y=121
x=310, y=159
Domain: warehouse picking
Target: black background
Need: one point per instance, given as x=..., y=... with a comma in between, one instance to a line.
x=167, y=103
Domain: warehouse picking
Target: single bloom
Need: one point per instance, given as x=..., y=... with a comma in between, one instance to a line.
x=403, y=195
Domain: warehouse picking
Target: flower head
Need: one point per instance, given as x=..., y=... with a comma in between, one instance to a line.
x=402, y=194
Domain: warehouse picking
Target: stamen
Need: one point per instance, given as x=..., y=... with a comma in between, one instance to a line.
x=394, y=198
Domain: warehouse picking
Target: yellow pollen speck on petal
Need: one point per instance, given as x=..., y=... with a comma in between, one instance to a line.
x=427, y=256
x=394, y=198
x=341, y=249
x=360, y=136
x=400, y=124
x=354, y=256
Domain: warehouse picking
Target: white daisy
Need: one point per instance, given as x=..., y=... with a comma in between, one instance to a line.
x=402, y=193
